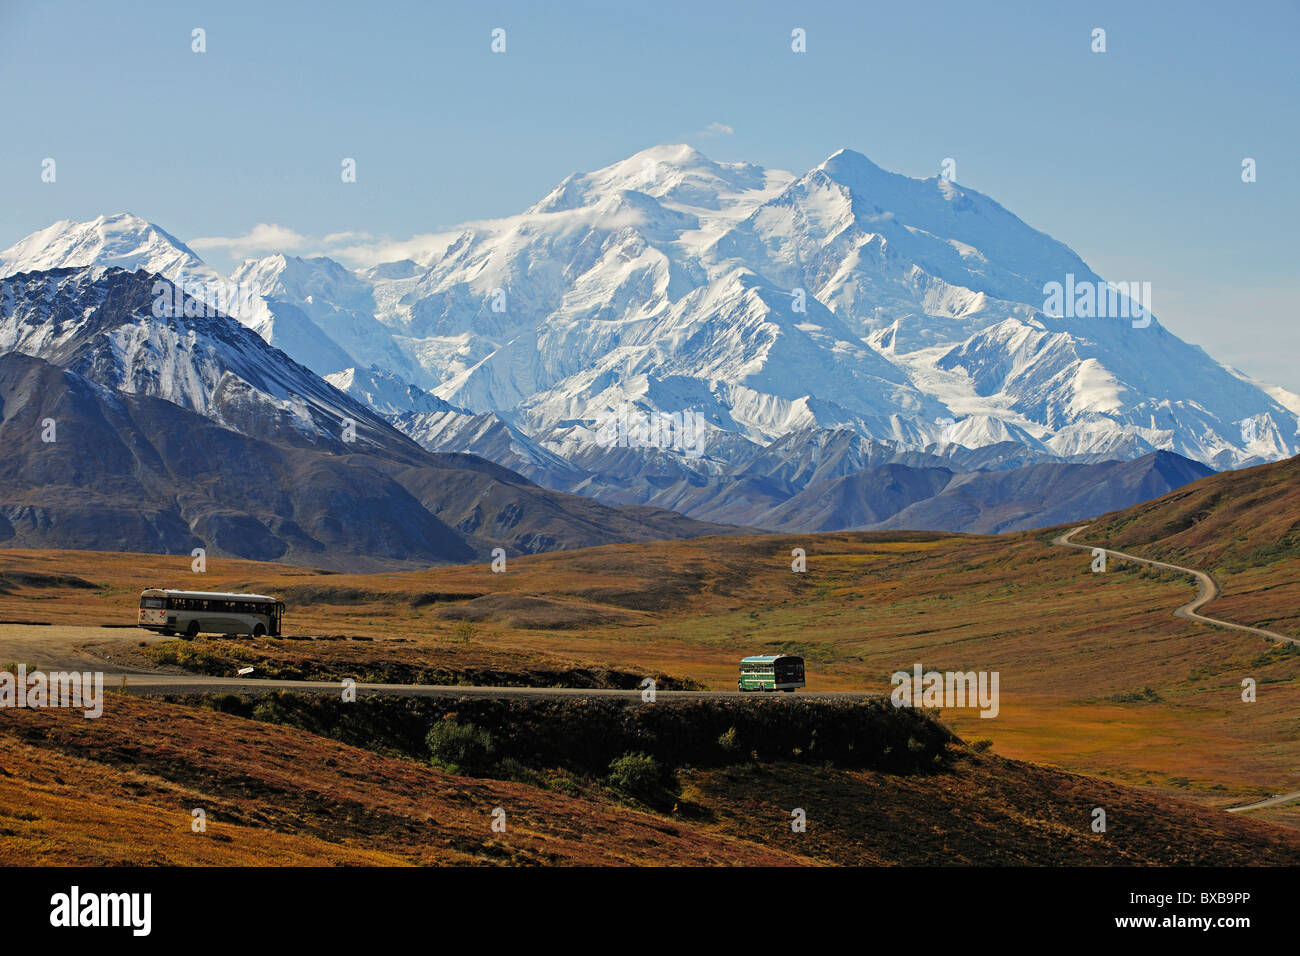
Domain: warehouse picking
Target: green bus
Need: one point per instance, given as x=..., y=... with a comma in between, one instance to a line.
x=771, y=672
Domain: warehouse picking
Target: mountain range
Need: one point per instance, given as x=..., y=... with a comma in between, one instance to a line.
x=126, y=430
x=853, y=348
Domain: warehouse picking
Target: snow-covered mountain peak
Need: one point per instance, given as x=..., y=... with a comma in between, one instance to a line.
x=123, y=240
x=847, y=163
x=295, y=277
x=679, y=176
x=135, y=332
x=850, y=297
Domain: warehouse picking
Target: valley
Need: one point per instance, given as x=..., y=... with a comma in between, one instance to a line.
x=875, y=383
x=1097, y=674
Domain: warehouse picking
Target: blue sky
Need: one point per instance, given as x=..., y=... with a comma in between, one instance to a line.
x=1132, y=157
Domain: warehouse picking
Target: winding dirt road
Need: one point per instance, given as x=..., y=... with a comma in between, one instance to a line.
x=1207, y=589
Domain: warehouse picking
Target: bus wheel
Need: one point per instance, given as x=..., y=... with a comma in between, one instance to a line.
x=193, y=630
x=259, y=630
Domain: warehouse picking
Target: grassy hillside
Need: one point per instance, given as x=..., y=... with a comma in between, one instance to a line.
x=1242, y=526
x=1097, y=677
x=121, y=790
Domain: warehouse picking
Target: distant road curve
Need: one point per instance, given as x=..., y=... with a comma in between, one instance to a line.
x=1276, y=801
x=1207, y=588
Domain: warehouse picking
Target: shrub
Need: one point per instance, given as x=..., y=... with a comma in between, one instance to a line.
x=459, y=747
x=508, y=768
x=463, y=632
x=1144, y=696
x=730, y=743
x=269, y=710
x=228, y=704
x=641, y=777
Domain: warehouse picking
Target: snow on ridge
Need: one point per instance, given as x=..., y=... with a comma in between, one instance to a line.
x=848, y=296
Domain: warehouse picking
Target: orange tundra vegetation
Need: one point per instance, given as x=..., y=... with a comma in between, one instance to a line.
x=1096, y=676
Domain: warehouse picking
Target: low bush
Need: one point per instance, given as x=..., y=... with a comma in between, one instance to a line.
x=460, y=748
x=643, y=778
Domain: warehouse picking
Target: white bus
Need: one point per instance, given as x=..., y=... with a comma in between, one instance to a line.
x=191, y=613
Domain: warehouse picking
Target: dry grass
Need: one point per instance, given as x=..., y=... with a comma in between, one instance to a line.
x=1242, y=526
x=1072, y=647
x=990, y=812
x=119, y=790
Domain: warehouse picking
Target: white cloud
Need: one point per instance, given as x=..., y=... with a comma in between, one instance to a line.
x=421, y=248
x=361, y=250
x=352, y=248
x=717, y=129
x=262, y=239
